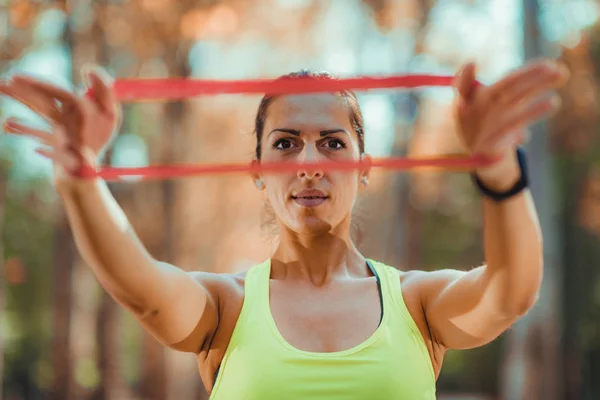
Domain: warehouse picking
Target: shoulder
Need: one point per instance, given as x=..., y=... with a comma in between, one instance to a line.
x=420, y=278
x=430, y=278
x=418, y=287
x=220, y=285
x=223, y=284
x=425, y=280
x=427, y=284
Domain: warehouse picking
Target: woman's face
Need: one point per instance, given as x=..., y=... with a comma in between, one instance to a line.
x=310, y=128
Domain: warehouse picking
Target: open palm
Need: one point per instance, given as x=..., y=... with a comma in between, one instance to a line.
x=492, y=119
x=82, y=125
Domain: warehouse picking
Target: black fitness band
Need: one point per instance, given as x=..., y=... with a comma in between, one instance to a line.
x=518, y=187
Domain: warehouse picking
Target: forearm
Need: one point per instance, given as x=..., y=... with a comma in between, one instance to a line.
x=512, y=244
x=109, y=246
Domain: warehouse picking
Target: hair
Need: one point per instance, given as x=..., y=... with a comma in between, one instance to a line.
x=355, y=114
x=356, y=119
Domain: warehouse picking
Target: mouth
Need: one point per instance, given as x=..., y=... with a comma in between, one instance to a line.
x=310, y=198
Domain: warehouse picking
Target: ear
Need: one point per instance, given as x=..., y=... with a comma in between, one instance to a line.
x=365, y=172
x=256, y=178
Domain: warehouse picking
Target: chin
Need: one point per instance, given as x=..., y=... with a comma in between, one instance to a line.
x=311, y=226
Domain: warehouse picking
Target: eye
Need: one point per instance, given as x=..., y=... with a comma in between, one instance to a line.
x=335, y=144
x=283, y=144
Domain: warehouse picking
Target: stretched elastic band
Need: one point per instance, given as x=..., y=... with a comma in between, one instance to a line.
x=178, y=89
x=172, y=171
x=128, y=90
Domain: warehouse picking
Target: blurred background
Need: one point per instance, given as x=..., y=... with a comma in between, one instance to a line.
x=62, y=337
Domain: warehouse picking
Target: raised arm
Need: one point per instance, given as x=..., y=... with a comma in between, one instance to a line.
x=169, y=302
x=469, y=309
x=166, y=300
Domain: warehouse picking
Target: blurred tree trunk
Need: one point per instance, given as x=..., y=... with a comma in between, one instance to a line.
x=64, y=259
x=532, y=359
x=107, y=328
x=575, y=132
x=407, y=241
x=4, y=14
x=154, y=372
x=3, y=182
x=583, y=256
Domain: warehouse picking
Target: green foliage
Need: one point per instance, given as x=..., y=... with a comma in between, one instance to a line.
x=472, y=371
x=28, y=236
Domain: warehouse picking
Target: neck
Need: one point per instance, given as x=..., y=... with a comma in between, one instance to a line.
x=320, y=258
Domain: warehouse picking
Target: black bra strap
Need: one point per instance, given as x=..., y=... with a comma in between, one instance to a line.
x=374, y=271
x=216, y=375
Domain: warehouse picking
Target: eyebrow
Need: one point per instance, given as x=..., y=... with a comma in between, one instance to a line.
x=296, y=132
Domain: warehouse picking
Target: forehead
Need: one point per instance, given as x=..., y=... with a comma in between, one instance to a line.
x=308, y=111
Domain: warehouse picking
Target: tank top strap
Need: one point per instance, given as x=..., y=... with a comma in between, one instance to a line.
x=256, y=286
x=256, y=294
x=390, y=279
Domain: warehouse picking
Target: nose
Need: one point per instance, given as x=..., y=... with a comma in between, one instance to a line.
x=309, y=155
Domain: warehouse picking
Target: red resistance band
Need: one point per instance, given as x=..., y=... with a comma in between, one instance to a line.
x=129, y=90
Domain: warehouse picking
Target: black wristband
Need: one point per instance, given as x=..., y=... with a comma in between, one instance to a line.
x=518, y=187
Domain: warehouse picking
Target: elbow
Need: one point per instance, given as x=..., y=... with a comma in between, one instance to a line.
x=134, y=304
x=522, y=291
x=518, y=307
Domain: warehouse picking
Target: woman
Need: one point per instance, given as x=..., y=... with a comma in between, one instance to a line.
x=317, y=320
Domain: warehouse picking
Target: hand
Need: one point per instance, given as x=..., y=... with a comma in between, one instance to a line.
x=83, y=126
x=492, y=120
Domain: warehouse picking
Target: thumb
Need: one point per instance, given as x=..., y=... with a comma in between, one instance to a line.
x=465, y=82
x=100, y=84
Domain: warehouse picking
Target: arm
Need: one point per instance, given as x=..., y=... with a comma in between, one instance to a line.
x=166, y=300
x=170, y=303
x=469, y=309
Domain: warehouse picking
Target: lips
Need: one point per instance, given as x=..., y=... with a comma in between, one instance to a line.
x=310, y=197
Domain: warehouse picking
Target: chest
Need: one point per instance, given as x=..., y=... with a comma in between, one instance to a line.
x=326, y=320
x=387, y=365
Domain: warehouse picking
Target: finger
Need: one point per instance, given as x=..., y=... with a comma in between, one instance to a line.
x=49, y=90
x=60, y=136
x=534, y=112
x=68, y=161
x=529, y=89
x=518, y=120
x=14, y=127
x=41, y=104
x=48, y=100
x=465, y=81
x=512, y=82
x=101, y=84
x=46, y=153
x=511, y=140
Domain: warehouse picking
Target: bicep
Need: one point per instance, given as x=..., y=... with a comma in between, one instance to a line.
x=461, y=308
x=184, y=311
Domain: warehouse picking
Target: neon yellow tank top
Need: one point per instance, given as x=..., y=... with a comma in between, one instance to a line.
x=259, y=364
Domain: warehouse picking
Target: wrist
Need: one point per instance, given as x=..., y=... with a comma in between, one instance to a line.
x=86, y=164
x=66, y=182
x=502, y=175
x=501, y=183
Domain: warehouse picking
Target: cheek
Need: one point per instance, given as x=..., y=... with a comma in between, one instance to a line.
x=346, y=186
x=277, y=187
